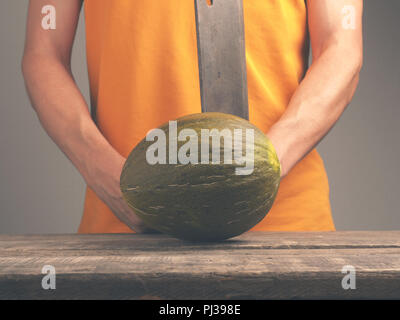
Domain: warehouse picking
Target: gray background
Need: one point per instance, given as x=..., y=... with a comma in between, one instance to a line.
x=41, y=192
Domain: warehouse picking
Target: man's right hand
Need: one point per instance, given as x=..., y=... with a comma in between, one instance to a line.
x=105, y=182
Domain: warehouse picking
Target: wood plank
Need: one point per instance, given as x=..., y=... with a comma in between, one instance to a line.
x=10, y=244
x=213, y=261
x=256, y=265
x=211, y=287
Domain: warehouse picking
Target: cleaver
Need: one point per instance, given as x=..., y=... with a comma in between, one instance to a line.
x=222, y=56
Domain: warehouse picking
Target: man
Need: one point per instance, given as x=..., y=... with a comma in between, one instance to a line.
x=142, y=60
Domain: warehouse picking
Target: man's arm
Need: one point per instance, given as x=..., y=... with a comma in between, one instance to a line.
x=62, y=109
x=328, y=86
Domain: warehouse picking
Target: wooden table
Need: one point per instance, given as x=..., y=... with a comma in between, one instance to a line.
x=256, y=265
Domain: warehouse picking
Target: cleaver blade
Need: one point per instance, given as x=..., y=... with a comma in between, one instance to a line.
x=222, y=57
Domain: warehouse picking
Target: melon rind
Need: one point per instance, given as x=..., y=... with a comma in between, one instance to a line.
x=202, y=202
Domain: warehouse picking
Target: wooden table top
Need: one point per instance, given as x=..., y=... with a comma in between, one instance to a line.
x=255, y=265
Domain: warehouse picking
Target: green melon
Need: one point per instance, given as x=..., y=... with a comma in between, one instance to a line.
x=199, y=201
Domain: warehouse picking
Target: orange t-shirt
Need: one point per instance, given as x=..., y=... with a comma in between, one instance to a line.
x=143, y=72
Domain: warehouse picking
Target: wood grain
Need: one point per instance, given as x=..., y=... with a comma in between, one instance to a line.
x=256, y=265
